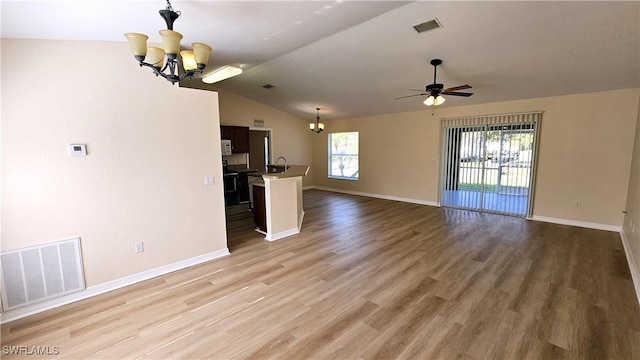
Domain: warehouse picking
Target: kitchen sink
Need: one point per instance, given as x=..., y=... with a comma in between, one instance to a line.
x=277, y=168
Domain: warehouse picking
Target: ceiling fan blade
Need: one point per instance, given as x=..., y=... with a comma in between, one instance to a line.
x=416, y=90
x=457, y=93
x=461, y=87
x=402, y=97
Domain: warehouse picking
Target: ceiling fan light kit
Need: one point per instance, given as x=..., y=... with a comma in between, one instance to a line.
x=434, y=100
x=192, y=61
x=435, y=90
x=317, y=127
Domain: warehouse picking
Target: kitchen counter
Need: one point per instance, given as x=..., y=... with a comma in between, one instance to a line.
x=292, y=171
x=242, y=168
x=278, y=211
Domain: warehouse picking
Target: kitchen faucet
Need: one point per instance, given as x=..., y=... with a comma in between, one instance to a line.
x=285, y=162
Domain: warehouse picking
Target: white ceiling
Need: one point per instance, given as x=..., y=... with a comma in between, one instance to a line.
x=352, y=58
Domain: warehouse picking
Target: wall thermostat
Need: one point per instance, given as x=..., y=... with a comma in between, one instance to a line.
x=78, y=150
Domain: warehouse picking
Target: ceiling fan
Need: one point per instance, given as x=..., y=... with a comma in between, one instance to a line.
x=435, y=90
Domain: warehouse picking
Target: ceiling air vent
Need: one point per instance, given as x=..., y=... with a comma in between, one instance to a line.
x=268, y=86
x=429, y=25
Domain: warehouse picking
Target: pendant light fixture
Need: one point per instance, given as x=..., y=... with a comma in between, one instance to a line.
x=317, y=127
x=193, y=61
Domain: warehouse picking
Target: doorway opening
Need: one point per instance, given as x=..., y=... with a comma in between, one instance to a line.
x=240, y=218
x=489, y=163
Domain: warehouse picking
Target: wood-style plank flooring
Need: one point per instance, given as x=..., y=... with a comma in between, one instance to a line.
x=367, y=279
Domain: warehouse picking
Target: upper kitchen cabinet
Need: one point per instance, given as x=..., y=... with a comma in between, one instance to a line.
x=239, y=136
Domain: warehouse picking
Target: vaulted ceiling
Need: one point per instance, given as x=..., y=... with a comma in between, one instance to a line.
x=352, y=58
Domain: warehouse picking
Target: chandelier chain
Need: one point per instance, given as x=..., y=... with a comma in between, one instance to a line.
x=318, y=126
x=170, y=8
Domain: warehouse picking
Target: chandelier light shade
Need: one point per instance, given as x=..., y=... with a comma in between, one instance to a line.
x=317, y=127
x=192, y=61
x=223, y=73
x=434, y=100
x=155, y=56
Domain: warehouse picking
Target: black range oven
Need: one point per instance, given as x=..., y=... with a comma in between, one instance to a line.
x=231, y=188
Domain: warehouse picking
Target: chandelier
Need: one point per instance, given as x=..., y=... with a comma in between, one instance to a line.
x=317, y=127
x=192, y=61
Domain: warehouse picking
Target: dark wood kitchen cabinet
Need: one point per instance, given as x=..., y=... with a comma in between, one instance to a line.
x=259, y=208
x=239, y=136
x=243, y=186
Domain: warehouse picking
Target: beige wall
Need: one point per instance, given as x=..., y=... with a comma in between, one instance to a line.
x=399, y=155
x=143, y=178
x=585, y=153
x=290, y=135
x=149, y=145
x=632, y=220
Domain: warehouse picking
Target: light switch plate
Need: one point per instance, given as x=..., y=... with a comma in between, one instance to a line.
x=208, y=180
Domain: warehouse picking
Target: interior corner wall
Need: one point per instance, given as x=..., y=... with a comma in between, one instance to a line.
x=631, y=226
x=149, y=146
x=584, y=153
x=290, y=135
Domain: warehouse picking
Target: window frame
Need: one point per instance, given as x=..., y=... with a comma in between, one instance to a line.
x=330, y=154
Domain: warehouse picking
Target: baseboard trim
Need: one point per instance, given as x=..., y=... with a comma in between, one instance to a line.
x=301, y=216
x=281, y=234
x=583, y=224
x=553, y=220
x=95, y=290
x=379, y=196
x=633, y=267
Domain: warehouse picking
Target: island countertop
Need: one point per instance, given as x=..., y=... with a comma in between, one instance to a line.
x=292, y=171
x=277, y=200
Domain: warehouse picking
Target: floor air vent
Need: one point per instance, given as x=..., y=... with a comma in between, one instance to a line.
x=39, y=273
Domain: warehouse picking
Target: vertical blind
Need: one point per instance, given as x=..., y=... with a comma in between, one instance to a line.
x=488, y=162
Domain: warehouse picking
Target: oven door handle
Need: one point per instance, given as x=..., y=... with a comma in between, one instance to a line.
x=235, y=182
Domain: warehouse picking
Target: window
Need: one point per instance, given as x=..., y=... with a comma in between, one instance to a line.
x=343, y=155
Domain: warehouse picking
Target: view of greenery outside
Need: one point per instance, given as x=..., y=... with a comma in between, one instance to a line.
x=470, y=176
x=343, y=155
x=477, y=187
x=502, y=162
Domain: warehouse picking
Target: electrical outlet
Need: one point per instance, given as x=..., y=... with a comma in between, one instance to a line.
x=208, y=180
x=578, y=204
x=139, y=247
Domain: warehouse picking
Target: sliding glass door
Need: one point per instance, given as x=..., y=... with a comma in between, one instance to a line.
x=488, y=163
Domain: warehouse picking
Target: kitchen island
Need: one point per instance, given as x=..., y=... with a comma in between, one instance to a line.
x=277, y=202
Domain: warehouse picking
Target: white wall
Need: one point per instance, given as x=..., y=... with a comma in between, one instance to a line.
x=149, y=143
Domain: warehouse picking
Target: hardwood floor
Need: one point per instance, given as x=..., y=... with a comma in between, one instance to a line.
x=372, y=279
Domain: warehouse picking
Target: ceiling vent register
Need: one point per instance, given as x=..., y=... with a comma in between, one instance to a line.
x=429, y=25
